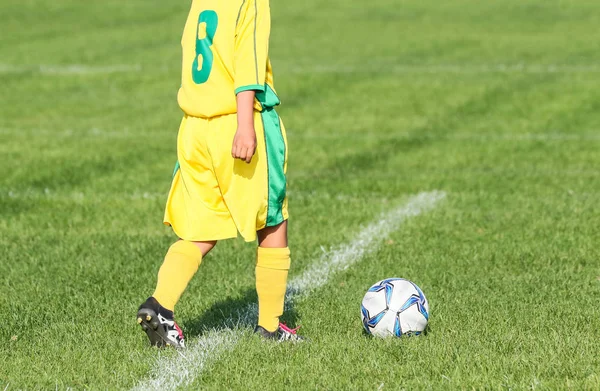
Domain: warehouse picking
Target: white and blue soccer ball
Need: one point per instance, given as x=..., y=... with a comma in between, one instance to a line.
x=394, y=307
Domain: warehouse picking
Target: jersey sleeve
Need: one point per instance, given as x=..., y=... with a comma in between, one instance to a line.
x=253, y=28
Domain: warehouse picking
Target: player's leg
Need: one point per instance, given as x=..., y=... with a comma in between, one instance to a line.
x=272, y=266
x=273, y=254
x=255, y=195
x=155, y=315
x=180, y=265
x=273, y=237
x=196, y=211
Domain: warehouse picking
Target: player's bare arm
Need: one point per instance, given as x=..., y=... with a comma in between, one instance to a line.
x=244, y=142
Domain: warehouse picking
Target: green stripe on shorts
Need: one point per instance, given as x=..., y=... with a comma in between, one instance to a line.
x=276, y=151
x=176, y=168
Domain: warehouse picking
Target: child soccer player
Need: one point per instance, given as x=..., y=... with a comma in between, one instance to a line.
x=232, y=154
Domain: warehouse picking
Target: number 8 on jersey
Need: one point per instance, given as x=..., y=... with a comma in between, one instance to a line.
x=207, y=27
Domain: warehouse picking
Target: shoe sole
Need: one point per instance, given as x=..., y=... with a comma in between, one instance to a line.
x=148, y=320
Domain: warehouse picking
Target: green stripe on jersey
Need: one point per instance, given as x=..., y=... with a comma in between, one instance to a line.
x=255, y=56
x=259, y=88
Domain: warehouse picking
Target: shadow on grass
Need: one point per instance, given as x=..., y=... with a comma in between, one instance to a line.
x=232, y=313
x=409, y=334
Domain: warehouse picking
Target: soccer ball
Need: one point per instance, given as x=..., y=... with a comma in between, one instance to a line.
x=394, y=307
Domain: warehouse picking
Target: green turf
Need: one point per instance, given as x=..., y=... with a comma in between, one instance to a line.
x=496, y=103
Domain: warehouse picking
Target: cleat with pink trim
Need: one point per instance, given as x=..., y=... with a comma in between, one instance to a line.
x=159, y=325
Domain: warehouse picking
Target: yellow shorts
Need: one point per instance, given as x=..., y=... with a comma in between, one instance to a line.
x=213, y=195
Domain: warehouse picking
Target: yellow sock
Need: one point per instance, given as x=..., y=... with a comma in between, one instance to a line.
x=272, y=267
x=180, y=265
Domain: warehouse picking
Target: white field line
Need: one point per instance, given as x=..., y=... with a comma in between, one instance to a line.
x=170, y=373
x=367, y=241
x=389, y=67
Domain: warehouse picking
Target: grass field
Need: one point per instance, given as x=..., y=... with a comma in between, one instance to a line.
x=494, y=103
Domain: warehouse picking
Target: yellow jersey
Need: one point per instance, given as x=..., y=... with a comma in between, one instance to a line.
x=225, y=51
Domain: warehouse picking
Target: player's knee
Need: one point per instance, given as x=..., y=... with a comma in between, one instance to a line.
x=205, y=247
x=273, y=237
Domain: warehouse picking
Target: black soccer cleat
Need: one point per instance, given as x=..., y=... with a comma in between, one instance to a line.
x=159, y=325
x=282, y=334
